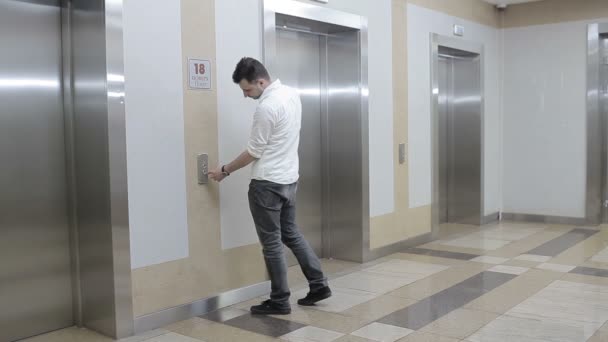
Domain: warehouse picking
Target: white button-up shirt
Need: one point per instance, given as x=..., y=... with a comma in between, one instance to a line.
x=275, y=135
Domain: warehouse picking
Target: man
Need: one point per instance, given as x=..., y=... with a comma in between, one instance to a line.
x=273, y=150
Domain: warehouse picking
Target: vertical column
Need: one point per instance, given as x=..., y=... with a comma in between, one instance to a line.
x=100, y=163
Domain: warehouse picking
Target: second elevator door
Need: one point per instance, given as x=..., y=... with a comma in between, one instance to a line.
x=459, y=124
x=299, y=66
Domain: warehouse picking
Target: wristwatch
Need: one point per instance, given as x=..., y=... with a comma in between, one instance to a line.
x=224, y=172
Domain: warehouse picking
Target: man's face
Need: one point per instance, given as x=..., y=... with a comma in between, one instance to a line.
x=253, y=90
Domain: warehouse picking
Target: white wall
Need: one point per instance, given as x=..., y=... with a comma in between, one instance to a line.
x=155, y=131
x=545, y=120
x=238, y=34
x=233, y=41
x=421, y=22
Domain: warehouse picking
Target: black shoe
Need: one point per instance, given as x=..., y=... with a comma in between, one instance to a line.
x=269, y=308
x=316, y=296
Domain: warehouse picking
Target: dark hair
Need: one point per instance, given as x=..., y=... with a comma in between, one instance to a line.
x=249, y=69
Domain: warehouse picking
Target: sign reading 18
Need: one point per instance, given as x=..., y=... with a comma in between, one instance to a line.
x=199, y=68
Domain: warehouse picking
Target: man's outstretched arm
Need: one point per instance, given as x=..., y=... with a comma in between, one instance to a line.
x=240, y=162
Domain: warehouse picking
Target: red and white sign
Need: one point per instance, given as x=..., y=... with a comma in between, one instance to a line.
x=199, y=75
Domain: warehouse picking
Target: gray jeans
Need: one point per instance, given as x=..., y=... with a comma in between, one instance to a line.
x=273, y=207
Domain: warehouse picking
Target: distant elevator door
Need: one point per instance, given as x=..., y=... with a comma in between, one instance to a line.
x=459, y=129
x=300, y=67
x=35, y=280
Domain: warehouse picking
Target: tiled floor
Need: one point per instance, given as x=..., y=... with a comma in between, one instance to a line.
x=504, y=282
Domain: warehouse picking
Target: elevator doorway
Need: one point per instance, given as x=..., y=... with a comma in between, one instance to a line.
x=35, y=271
x=459, y=134
x=323, y=61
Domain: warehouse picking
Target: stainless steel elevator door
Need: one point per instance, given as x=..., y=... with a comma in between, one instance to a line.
x=343, y=148
x=465, y=142
x=459, y=82
x=299, y=66
x=35, y=280
x=444, y=83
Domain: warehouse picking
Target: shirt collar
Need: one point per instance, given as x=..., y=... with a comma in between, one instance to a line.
x=273, y=86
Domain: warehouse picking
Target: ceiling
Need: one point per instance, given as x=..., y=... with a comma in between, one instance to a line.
x=508, y=2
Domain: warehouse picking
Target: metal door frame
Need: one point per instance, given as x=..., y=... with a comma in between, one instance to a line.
x=595, y=208
x=68, y=114
x=468, y=46
x=330, y=16
x=120, y=322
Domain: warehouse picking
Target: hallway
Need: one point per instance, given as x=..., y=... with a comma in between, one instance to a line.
x=503, y=282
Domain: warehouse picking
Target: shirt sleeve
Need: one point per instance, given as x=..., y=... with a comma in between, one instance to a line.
x=261, y=130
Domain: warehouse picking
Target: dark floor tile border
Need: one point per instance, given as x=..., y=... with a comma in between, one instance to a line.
x=264, y=325
x=440, y=254
x=223, y=315
x=563, y=242
x=596, y=272
x=428, y=310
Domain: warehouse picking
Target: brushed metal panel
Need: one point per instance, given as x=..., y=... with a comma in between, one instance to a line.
x=464, y=142
x=68, y=114
x=92, y=165
x=444, y=83
x=117, y=148
x=300, y=67
x=35, y=274
x=368, y=254
x=100, y=154
x=596, y=159
x=345, y=145
x=603, y=121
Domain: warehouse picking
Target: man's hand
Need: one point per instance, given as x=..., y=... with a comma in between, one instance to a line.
x=241, y=161
x=217, y=174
